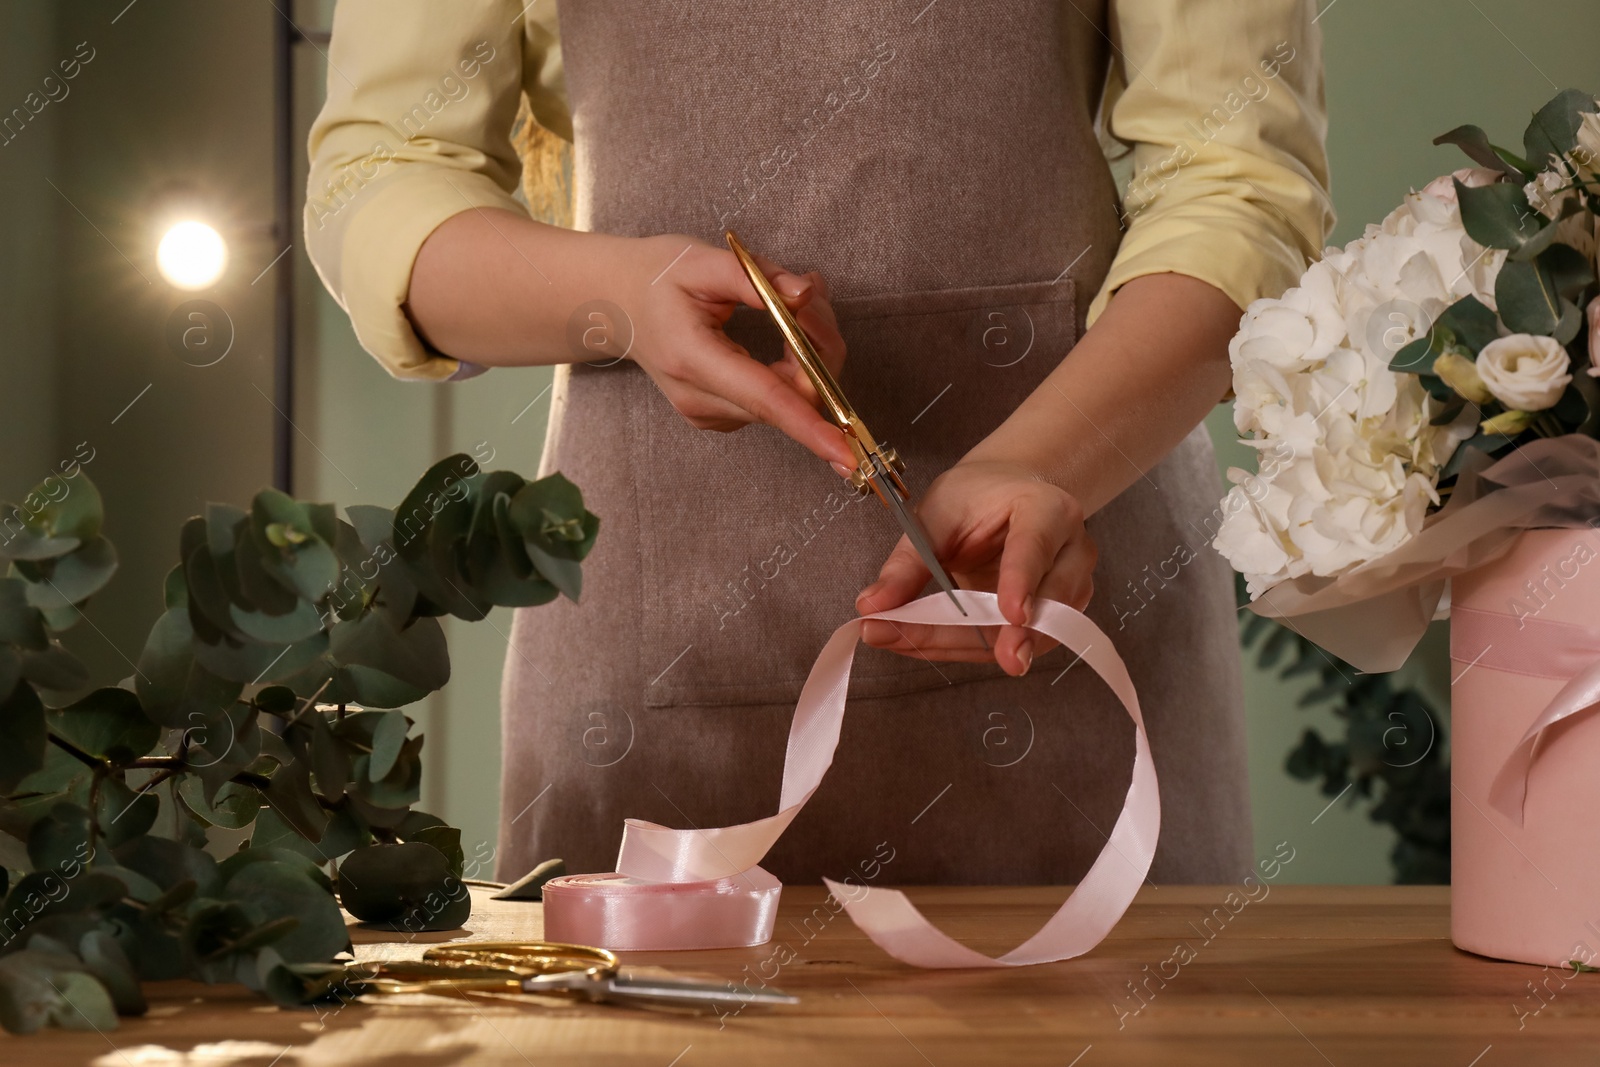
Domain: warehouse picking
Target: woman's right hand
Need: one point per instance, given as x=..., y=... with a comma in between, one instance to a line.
x=500, y=289
x=680, y=294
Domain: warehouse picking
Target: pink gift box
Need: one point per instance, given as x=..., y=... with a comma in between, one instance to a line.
x=1528, y=892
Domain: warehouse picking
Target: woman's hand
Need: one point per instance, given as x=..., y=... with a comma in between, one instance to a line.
x=498, y=288
x=997, y=526
x=684, y=290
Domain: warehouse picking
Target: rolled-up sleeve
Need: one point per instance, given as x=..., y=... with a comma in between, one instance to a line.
x=417, y=127
x=1222, y=102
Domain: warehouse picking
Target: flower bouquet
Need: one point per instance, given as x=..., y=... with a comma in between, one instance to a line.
x=1425, y=413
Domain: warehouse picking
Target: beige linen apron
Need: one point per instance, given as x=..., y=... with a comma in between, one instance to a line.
x=938, y=163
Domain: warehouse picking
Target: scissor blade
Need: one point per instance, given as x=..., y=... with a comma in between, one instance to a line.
x=916, y=534
x=688, y=992
x=647, y=991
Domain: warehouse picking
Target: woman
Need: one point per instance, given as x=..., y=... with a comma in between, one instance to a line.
x=936, y=171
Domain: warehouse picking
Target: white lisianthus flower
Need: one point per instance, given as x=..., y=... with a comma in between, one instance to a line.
x=1586, y=156
x=1524, y=372
x=1549, y=192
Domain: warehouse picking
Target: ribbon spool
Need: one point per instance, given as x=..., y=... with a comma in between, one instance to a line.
x=683, y=889
x=625, y=914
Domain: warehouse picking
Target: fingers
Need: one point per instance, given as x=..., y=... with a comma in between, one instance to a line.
x=718, y=386
x=729, y=389
x=1045, y=553
x=900, y=579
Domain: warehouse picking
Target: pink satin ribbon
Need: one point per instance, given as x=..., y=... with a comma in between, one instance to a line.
x=654, y=856
x=1537, y=648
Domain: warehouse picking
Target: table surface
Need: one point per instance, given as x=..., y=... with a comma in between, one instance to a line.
x=1342, y=975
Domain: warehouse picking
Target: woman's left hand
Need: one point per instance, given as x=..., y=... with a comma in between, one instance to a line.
x=996, y=526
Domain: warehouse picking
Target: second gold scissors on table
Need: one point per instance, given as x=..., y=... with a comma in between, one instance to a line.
x=548, y=967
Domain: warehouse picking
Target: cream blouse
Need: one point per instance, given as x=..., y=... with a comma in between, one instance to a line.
x=1221, y=101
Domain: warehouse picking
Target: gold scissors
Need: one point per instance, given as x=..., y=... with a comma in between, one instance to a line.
x=547, y=967
x=879, y=469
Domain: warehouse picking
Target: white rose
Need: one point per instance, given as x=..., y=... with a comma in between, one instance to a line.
x=1524, y=372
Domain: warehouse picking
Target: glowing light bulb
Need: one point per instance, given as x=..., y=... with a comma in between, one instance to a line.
x=192, y=255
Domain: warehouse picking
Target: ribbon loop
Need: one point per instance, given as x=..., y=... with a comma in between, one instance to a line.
x=656, y=854
x=1537, y=648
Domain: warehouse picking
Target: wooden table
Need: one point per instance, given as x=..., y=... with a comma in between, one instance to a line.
x=1350, y=976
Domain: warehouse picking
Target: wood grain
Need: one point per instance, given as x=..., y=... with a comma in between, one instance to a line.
x=1349, y=976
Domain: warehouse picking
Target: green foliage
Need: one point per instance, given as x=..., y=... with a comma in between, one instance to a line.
x=1391, y=754
x=267, y=697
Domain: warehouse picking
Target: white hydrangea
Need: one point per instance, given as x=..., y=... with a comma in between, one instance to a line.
x=1349, y=459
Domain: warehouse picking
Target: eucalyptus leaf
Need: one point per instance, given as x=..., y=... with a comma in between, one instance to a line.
x=77, y=512
x=53, y=668
x=552, y=510
x=1475, y=143
x=1471, y=324
x=249, y=663
x=20, y=622
x=233, y=807
x=174, y=589
x=166, y=863
x=375, y=689
x=1570, y=270
x=387, y=740
x=137, y=887
x=22, y=736
x=220, y=749
x=47, y=988
x=172, y=685
x=60, y=838
x=289, y=794
x=59, y=774
x=281, y=889
x=403, y=887
x=73, y=578
x=397, y=593
x=447, y=839
x=1527, y=298
x=295, y=625
x=344, y=832
x=109, y=724
x=417, y=654
x=104, y=958
x=400, y=788
x=1498, y=215
x=23, y=537
x=565, y=574
x=123, y=813
x=294, y=860
x=1554, y=129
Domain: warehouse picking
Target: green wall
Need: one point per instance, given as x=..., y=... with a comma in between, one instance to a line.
x=28, y=440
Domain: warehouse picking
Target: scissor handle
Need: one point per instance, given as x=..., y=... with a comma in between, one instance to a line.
x=429, y=976
x=821, y=378
x=526, y=957
x=874, y=463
